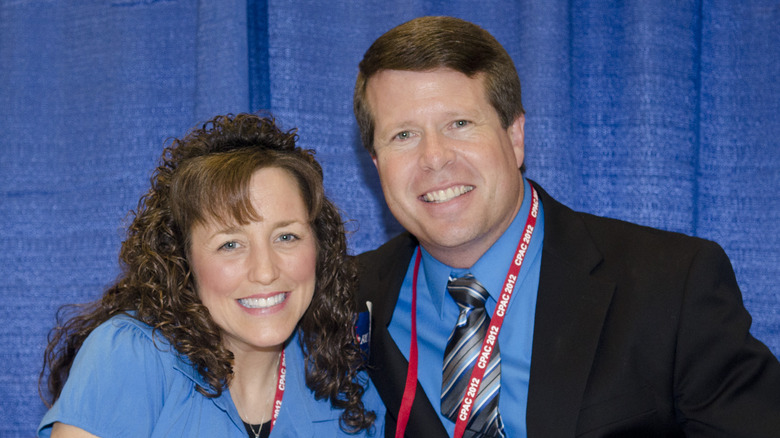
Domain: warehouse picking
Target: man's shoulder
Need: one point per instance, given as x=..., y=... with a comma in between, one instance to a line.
x=629, y=235
x=618, y=243
x=384, y=267
x=400, y=246
x=634, y=252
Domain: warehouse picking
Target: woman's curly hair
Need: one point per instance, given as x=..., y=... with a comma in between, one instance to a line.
x=203, y=176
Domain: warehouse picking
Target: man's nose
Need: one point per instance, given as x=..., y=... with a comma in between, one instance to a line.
x=436, y=151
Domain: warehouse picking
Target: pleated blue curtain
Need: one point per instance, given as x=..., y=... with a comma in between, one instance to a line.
x=661, y=113
x=89, y=91
x=738, y=202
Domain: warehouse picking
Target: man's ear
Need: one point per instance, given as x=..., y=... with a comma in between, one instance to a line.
x=516, y=133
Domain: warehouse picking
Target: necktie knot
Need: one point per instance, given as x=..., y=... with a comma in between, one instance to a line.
x=467, y=291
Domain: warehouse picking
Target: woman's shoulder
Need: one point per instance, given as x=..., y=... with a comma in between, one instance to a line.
x=125, y=333
x=122, y=349
x=123, y=325
x=122, y=366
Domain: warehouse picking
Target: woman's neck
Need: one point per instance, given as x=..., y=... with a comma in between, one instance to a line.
x=253, y=384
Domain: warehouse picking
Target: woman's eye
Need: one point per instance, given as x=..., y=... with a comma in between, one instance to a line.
x=228, y=246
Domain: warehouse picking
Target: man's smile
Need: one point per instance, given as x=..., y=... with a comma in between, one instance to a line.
x=438, y=196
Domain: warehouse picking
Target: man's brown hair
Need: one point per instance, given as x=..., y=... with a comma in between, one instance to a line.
x=428, y=43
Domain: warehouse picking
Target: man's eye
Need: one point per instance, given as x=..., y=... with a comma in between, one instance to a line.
x=289, y=237
x=403, y=135
x=461, y=123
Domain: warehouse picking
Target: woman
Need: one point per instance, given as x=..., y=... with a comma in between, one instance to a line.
x=233, y=315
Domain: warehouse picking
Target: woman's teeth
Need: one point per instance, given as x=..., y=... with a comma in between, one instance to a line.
x=262, y=303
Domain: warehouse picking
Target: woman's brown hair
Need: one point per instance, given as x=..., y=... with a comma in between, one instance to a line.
x=206, y=175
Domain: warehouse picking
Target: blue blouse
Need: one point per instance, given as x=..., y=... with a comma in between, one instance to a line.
x=124, y=382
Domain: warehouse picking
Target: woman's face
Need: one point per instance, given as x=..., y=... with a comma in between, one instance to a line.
x=258, y=279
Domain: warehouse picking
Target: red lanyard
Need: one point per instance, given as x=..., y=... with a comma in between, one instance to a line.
x=280, y=383
x=491, y=337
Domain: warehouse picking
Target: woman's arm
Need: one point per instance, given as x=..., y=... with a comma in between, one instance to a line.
x=62, y=430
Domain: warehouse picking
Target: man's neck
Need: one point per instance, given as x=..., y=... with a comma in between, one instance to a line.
x=464, y=256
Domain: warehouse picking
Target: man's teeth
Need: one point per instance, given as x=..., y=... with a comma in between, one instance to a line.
x=446, y=195
x=262, y=303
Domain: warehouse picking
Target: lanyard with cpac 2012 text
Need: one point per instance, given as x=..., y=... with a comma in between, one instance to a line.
x=496, y=321
x=280, y=384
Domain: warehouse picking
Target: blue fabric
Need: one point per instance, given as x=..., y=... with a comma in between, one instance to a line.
x=662, y=113
x=437, y=313
x=126, y=382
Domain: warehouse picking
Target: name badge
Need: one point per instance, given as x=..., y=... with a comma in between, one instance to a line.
x=363, y=329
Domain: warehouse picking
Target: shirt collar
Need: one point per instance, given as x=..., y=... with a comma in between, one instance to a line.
x=490, y=269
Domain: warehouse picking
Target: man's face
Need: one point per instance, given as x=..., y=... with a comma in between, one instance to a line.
x=449, y=171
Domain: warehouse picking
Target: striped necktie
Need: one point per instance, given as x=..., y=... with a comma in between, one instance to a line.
x=462, y=350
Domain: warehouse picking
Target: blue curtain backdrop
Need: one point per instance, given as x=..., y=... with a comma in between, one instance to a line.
x=662, y=113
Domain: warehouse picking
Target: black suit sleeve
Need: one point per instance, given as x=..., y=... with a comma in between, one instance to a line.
x=727, y=384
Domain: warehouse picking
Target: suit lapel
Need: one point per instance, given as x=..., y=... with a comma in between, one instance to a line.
x=570, y=311
x=386, y=358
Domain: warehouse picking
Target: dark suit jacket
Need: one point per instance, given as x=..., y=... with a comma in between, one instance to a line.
x=638, y=332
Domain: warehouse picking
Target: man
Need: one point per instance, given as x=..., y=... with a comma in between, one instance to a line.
x=590, y=326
